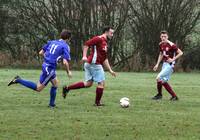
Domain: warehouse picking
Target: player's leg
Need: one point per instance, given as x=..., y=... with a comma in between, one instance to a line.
x=99, y=93
x=74, y=86
x=167, y=85
x=29, y=84
x=164, y=77
x=44, y=79
x=46, y=75
x=159, y=91
x=78, y=85
x=99, y=77
x=170, y=91
x=159, y=80
x=40, y=87
x=26, y=83
x=53, y=89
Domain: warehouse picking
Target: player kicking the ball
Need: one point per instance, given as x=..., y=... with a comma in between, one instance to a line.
x=53, y=52
x=94, y=71
x=169, y=52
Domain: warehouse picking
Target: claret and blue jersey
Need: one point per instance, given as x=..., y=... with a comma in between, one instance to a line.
x=168, y=51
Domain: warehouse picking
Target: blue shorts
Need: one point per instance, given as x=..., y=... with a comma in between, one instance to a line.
x=94, y=72
x=48, y=73
x=166, y=72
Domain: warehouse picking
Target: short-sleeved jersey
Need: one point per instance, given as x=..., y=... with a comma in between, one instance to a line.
x=98, y=50
x=55, y=50
x=168, y=50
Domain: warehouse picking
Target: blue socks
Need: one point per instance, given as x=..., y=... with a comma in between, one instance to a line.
x=27, y=84
x=52, y=96
x=33, y=86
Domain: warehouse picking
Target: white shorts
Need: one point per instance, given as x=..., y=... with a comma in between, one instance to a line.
x=94, y=72
x=166, y=72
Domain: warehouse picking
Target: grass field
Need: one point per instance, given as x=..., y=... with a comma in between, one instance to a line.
x=24, y=114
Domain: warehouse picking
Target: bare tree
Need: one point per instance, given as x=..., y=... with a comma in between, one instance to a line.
x=40, y=20
x=27, y=24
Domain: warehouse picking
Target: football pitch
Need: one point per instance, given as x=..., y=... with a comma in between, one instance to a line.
x=24, y=114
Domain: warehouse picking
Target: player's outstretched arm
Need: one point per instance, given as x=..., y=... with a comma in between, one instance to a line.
x=158, y=61
x=107, y=65
x=85, y=49
x=66, y=64
x=179, y=53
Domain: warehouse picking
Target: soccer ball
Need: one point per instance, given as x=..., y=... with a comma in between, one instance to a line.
x=124, y=102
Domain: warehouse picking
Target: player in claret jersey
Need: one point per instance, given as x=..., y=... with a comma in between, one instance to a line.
x=169, y=52
x=93, y=65
x=53, y=51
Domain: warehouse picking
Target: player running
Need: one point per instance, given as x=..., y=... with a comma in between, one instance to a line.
x=169, y=52
x=94, y=71
x=53, y=51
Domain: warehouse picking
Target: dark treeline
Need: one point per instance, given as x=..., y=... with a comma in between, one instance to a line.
x=27, y=24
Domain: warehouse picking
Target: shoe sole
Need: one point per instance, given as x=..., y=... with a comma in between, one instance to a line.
x=13, y=81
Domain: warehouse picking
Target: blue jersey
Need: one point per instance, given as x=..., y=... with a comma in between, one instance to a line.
x=55, y=50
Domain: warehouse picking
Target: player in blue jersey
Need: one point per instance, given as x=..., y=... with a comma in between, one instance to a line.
x=53, y=51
